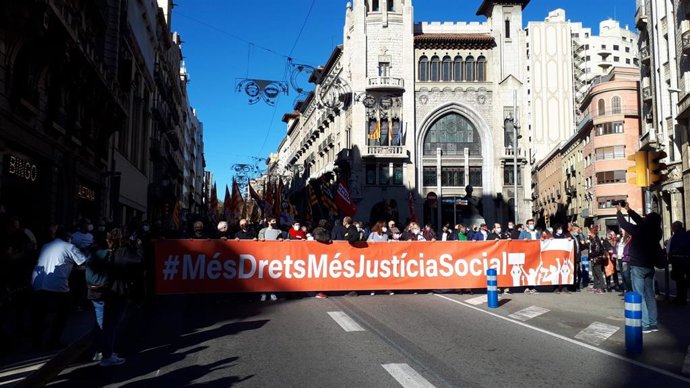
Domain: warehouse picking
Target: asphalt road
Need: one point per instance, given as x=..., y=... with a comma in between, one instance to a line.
x=391, y=341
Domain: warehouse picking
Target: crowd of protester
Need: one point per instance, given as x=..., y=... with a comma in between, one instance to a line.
x=102, y=267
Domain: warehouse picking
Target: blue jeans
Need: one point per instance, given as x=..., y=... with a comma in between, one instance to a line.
x=108, y=314
x=98, y=306
x=625, y=271
x=643, y=283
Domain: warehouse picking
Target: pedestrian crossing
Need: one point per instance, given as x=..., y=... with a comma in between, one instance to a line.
x=596, y=333
x=529, y=313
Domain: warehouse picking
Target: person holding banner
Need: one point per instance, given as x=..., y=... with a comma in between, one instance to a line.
x=378, y=233
x=530, y=233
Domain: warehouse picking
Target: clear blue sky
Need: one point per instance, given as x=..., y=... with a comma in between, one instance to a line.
x=215, y=35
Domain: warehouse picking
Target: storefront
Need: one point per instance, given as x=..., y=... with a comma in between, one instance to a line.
x=25, y=188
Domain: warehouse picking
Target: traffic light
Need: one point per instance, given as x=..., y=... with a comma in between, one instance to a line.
x=657, y=169
x=639, y=169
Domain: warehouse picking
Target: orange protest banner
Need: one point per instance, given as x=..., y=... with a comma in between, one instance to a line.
x=208, y=266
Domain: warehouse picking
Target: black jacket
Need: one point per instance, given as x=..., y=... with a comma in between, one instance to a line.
x=644, y=244
x=351, y=234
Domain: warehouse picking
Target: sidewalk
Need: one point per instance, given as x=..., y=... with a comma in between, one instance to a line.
x=42, y=366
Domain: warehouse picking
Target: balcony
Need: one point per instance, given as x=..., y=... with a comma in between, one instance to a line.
x=641, y=16
x=646, y=93
x=510, y=152
x=685, y=36
x=386, y=83
x=644, y=53
x=386, y=151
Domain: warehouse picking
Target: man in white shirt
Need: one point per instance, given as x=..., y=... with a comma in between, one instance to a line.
x=50, y=281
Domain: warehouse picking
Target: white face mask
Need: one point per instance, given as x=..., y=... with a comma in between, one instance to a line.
x=559, y=231
x=295, y=227
x=498, y=230
x=89, y=227
x=146, y=228
x=384, y=229
x=101, y=228
x=531, y=227
x=415, y=231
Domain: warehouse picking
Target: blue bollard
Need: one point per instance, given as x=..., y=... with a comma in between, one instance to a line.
x=633, y=322
x=492, y=288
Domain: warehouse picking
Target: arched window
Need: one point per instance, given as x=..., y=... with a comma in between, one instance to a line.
x=481, y=68
x=616, y=105
x=601, y=107
x=446, y=68
x=457, y=68
x=452, y=133
x=423, y=68
x=469, y=68
x=435, y=64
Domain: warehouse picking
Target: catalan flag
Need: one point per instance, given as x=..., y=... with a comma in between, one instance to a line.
x=375, y=134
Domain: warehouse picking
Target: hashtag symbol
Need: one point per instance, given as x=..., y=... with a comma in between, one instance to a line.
x=170, y=267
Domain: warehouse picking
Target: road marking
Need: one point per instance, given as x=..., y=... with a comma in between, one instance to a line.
x=406, y=376
x=477, y=300
x=686, y=364
x=347, y=323
x=570, y=340
x=16, y=371
x=529, y=313
x=596, y=333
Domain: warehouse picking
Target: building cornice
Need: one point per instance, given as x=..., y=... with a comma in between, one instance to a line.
x=451, y=41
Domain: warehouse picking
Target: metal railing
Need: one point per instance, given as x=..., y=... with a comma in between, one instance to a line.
x=387, y=82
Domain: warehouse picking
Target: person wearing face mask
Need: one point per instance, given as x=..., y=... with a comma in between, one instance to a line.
x=498, y=234
x=245, y=233
x=296, y=232
x=558, y=233
x=512, y=231
x=460, y=232
x=530, y=233
x=199, y=233
x=378, y=232
x=82, y=238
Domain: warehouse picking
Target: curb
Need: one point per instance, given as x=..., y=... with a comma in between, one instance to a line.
x=57, y=364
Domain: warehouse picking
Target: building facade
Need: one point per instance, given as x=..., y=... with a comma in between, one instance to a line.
x=417, y=120
x=563, y=60
x=610, y=133
x=664, y=128
x=80, y=109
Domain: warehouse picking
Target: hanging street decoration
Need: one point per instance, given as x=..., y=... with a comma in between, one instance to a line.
x=259, y=89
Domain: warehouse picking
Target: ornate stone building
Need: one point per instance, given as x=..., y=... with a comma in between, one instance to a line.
x=422, y=113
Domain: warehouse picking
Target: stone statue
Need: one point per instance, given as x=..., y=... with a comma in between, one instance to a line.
x=471, y=209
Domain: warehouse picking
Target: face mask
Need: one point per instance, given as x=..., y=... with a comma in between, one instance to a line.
x=101, y=228
x=498, y=230
x=559, y=231
x=295, y=227
x=146, y=228
x=384, y=229
x=511, y=227
x=415, y=231
x=531, y=227
x=89, y=228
